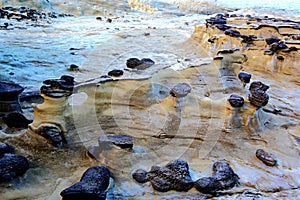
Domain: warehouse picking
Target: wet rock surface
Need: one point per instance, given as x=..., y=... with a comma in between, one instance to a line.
x=223, y=177
x=92, y=185
x=174, y=176
x=140, y=104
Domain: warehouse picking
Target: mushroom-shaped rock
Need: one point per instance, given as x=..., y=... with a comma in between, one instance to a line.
x=116, y=72
x=236, y=101
x=123, y=141
x=12, y=166
x=223, y=178
x=9, y=97
x=92, y=185
x=244, y=77
x=174, y=176
x=16, y=120
x=265, y=157
x=58, y=87
x=180, y=90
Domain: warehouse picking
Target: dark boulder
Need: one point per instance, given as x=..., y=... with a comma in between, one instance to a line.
x=174, y=176
x=58, y=87
x=223, y=177
x=180, y=90
x=244, y=77
x=92, y=185
x=9, y=97
x=53, y=133
x=272, y=40
x=115, y=72
x=12, y=166
x=236, y=101
x=266, y=157
x=232, y=33
x=16, y=120
x=133, y=63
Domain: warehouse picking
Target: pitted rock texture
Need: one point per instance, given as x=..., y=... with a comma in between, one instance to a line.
x=92, y=185
x=174, y=176
x=12, y=166
x=223, y=177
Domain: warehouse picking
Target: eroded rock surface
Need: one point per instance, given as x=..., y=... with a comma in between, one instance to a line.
x=174, y=176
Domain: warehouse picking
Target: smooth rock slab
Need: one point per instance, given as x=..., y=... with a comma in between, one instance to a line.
x=223, y=178
x=92, y=185
x=12, y=166
x=174, y=176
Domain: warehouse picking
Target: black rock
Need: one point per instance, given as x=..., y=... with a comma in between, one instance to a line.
x=258, y=85
x=214, y=21
x=133, y=63
x=116, y=72
x=12, y=166
x=73, y=67
x=258, y=97
x=236, y=101
x=248, y=38
x=16, y=120
x=232, y=33
x=9, y=91
x=140, y=176
x=244, y=77
x=123, y=141
x=272, y=40
x=180, y=90
x=223, y=178
x=58, y=87
x=52, y=133
x=92, y=185
x=5, y=148
x=277, y=46
x=266, y=157
x=174, y=176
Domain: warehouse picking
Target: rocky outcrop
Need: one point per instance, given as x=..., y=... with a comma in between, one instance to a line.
x=269, y=43
x=51, y=118
x=92, y=185
x=174, y=176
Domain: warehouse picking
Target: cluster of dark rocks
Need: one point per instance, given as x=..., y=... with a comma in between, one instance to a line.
x=11, y=165
x=176, y=176
x=58, y=87
x=25, y=13
x=132, y=63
